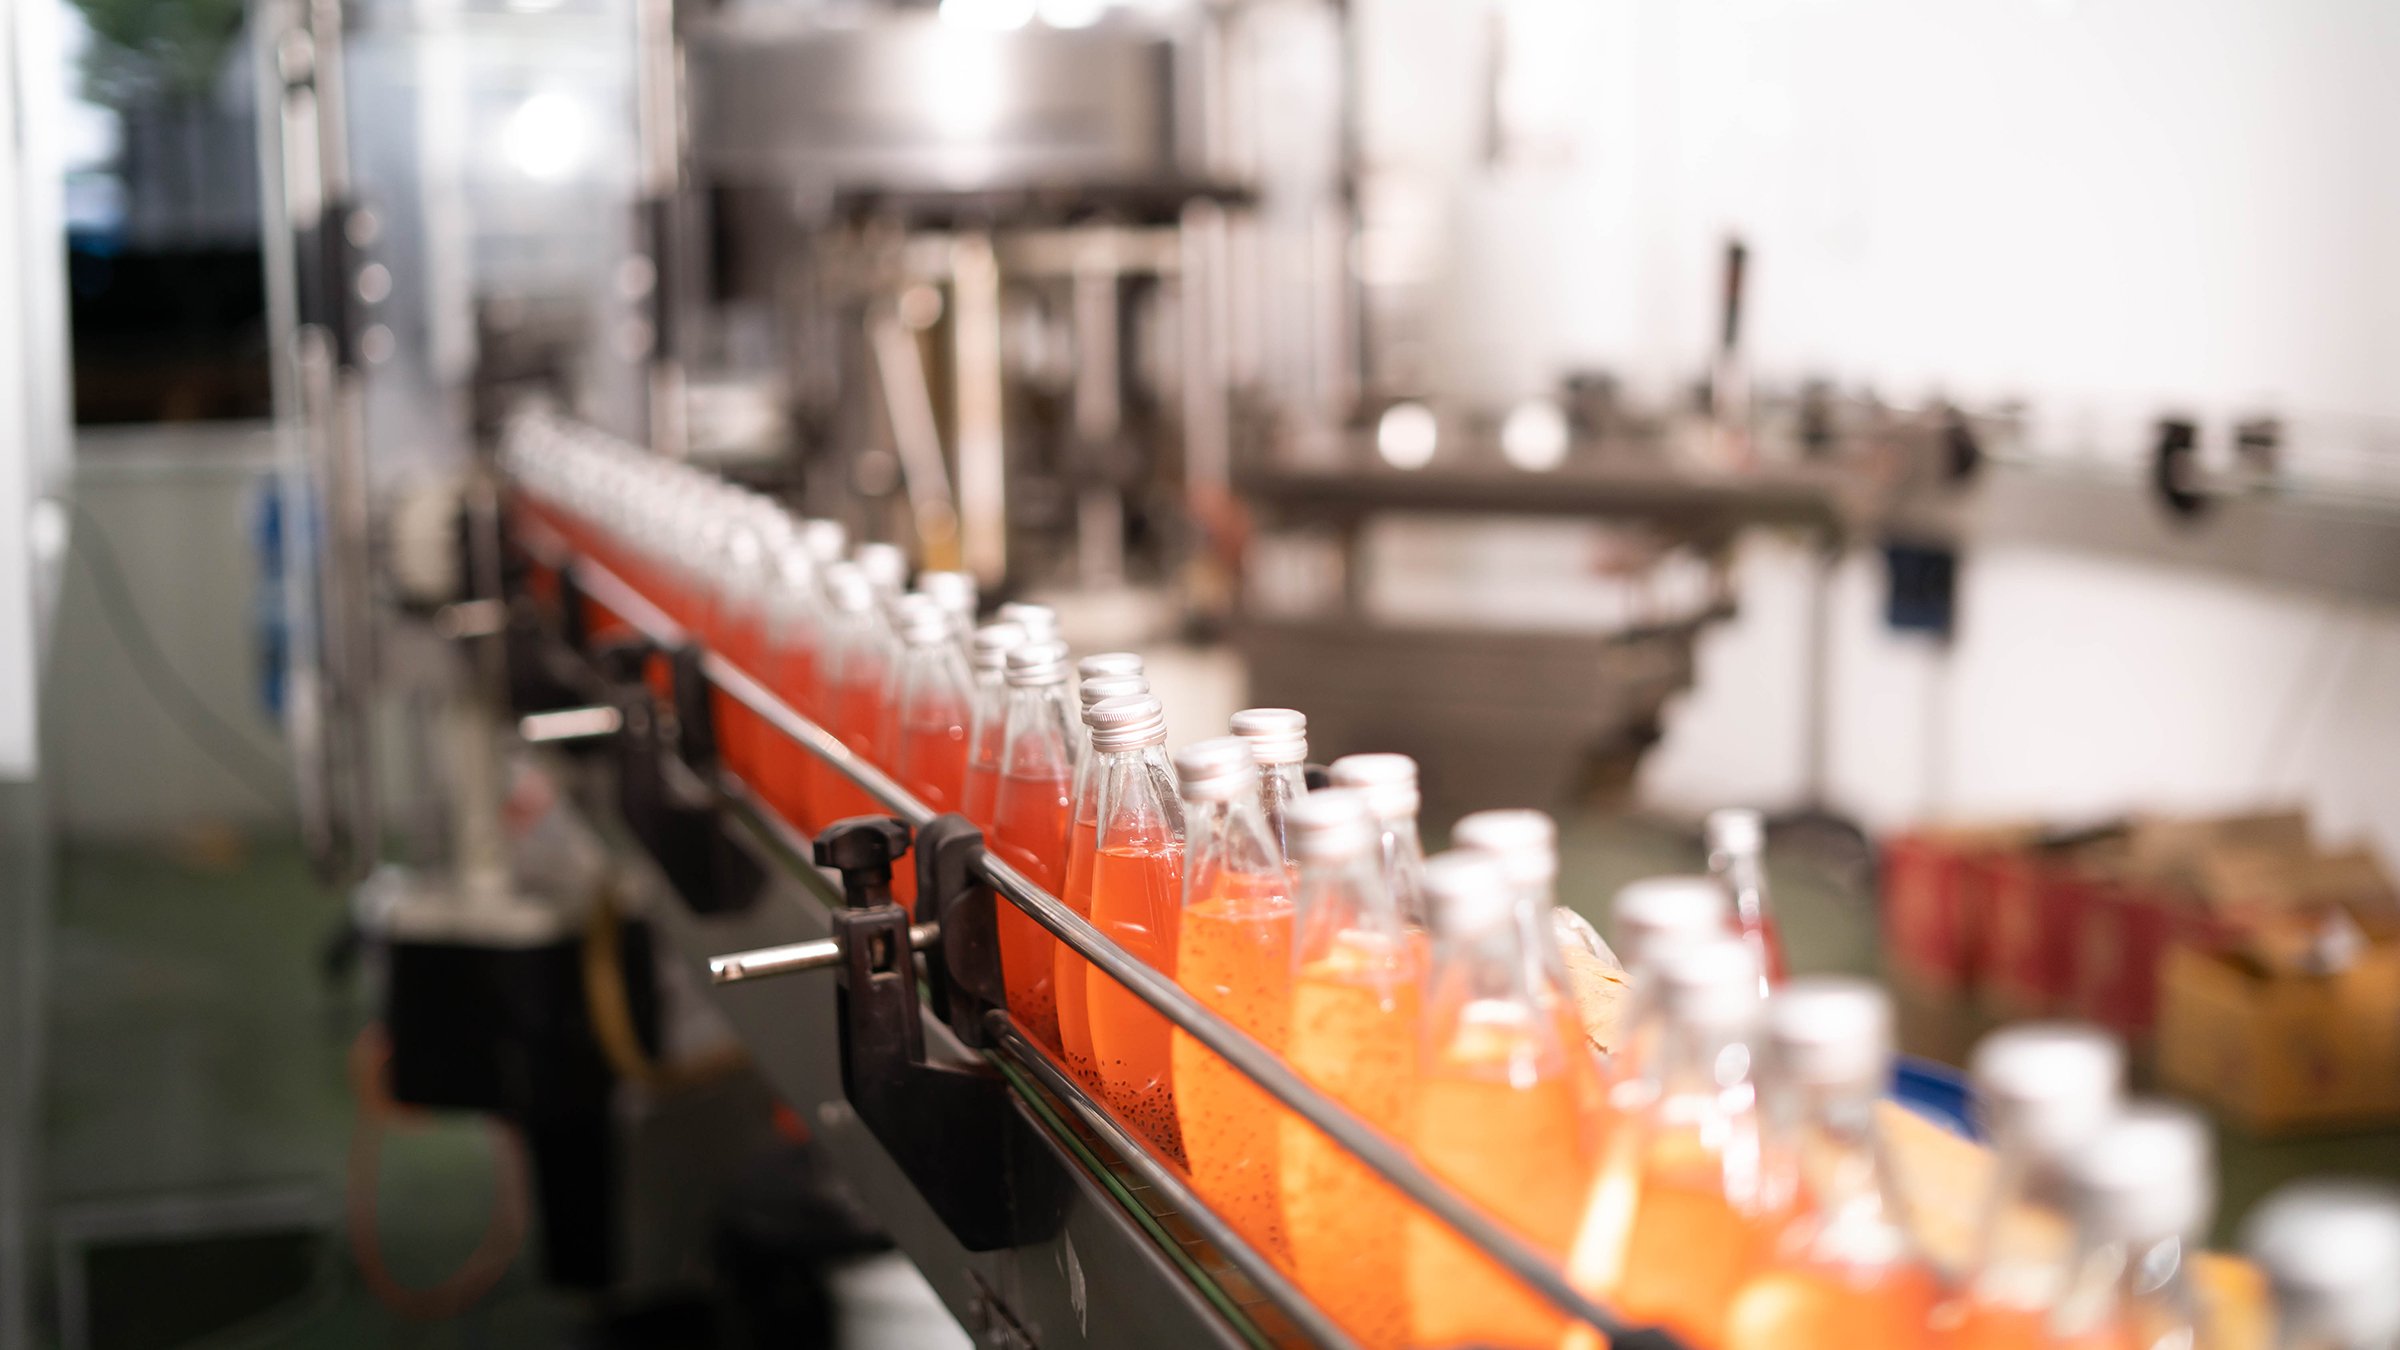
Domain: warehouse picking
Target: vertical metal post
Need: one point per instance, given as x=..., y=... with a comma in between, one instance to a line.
x=982, y=445
x=1099, y=414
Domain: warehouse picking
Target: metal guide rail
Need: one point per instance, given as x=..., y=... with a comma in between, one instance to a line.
x=924, y=1086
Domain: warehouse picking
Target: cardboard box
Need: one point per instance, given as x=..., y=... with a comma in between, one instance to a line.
x=2278, y=1053
x=1934, y=882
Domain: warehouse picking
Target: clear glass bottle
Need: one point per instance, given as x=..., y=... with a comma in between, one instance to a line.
x=1137, y=901
x=1069, y=971
x=795, y=623
x=1737, y=844
x=1846, y=1272
x=1651, y=916
x=1040, y=622
x=1357, y=992
x=993, y=643
x=1496, y=1113
x=1684, y=1201
x=1525, y=845
x=934, y=705
x=1233, y=952
x=1389, y=783
x=858, y=662
x=959, y=597
x=2330, y=1250
x=1029, y=822
x=1278, y=740
x=2142, y=1192
x=2046, y=1089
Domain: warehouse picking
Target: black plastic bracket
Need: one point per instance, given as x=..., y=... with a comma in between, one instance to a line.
x=950, y=1128
x=963, y=979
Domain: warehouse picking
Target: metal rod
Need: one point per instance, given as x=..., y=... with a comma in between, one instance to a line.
x=569, y=724
x=1383, y=1155
x=794, y=957
x=609, y=591
x=1303, y=1310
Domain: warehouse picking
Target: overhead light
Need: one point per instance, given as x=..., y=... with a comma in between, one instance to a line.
x=1534, y=437
x=1406, y=435
x=997, y=15
x=549, y=137
x=1073, y=13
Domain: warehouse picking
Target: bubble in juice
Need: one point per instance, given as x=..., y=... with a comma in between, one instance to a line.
x=1137, y=894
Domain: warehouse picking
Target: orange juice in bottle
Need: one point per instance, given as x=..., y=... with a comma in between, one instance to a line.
x=931, y=705
x=1233, y=952
x=1846, y=1271
x=1495, y=1114
x=1357, y=977
x=788, y=666
x=856, y=662
x=1068, y=969
x=1679, y=1215
x=1029, y=823
x=1137, y=902
x=989, y=658
x=1525, y=845
x=2046, y=1089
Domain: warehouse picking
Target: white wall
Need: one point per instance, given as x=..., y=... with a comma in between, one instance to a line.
x=2107, y=207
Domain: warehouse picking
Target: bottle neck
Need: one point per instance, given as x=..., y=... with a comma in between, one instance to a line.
x=1037, y=741
x=2024, y=1243
x=934, y=683
x=1404, y=870
x=1227, y=850
x=1135, y=801
x=1279, y=785
x=1830, y=1151
x=1484, y=1010
x=2143, y=1291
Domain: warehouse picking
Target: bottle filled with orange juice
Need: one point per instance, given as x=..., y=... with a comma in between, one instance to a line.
x=737, y=628
x=989, y=661
x=1278, y=739
x=857, y=665
x=1029, y=822
x=1495, y=1115
x=2142, y=1192
x=1389, y=783
x=1737, y=845
x=1137, y=901
x=788, y=667
x=1068, y=968
x=1525, y=845
x=2047, y=1089
x=1846, y=1271
x=1233, y=952
x=932, y=702
x=1679, y=1215
x=1650, y=916
x=1357, y=979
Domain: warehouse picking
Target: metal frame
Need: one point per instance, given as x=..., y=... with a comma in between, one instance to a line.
x=1383, y=1155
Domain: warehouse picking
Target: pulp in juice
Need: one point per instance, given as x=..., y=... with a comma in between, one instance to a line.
x=1354, y=1036
x=1233, y=952
x=1029, y=833
x=1137, y=895
x=1069, y=970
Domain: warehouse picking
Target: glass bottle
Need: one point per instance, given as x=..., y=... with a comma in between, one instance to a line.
x=1389, y=783
x=2046, y=1089
x=1137, y=901
x=1278, y=740
x=1846, y=1272
x=2330, y=1250
x=1357, y=991
x=795, y=620
x=1029, y=822
x=1651, y=916
x=737, y=630
x=933, y=703
x=1040, y=622
x=886, y=569
x=1495, y=1114
x=1737, y=842
x=1680, y=1211
x=1068, y=968
x=1525, y=845
x=1233, y=952
x=993, y=643
x=2142, y=1192
x=958, y=597
x=858, y=662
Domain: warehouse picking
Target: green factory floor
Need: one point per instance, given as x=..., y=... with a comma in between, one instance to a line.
x=196, y=1070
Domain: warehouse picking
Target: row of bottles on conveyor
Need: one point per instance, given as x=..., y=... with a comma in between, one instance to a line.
x=1720, y=1170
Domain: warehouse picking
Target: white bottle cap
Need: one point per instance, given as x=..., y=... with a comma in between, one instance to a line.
x=826, y=540
x=2331, y=1252
x=920, y=619
x=993, y=643
x=1328, y=826
x=1099, y=664
x=1215, y=770
x=955, y=592
x=1040, y=622
x=847, y=589
x=1127, y=724
x=1655, y=912
x=1276, y=735
x=1036, y=664
x=1389, y=782
x=1110, y=686
x=1710, y=985
x=2147, y=1176
x=2048, y=1087
x=1736, y=829
x=1525, y=842
x=1470, y=895
x=1832, y=1033
x=885, y=565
